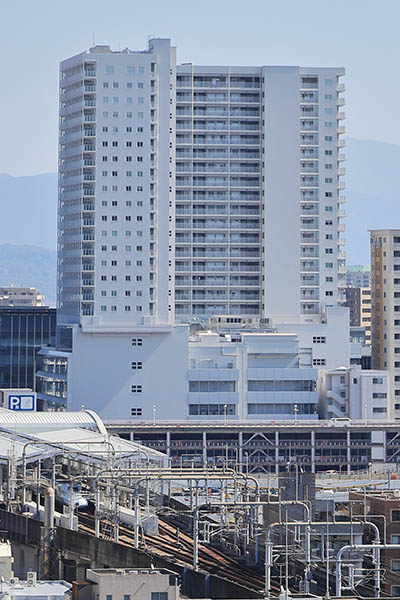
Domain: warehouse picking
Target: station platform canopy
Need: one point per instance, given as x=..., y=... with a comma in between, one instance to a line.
x=80, y=435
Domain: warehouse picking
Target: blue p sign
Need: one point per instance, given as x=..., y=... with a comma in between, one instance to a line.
x=21, y=402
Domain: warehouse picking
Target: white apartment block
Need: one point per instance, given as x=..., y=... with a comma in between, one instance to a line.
x=356, y=394
x=186, y=192
x=20, y=296
x=116, y=191
x=257, y=375
x=259, y=201
x=385, y=307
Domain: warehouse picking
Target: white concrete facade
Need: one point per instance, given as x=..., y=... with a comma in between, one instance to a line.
x=116, y=190
x=250, y=376
x=20, y=296
x=356, y=394
x=130, y=374
x=328, y=337
x=258, y=191
x=185, y=192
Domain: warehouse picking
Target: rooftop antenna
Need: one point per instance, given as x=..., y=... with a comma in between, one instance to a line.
x=94, y=38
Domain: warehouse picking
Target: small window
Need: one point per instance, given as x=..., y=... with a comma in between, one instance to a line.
x=395, y=590
x=137, y=341
x=137, y=365
x=395, y=515
x=159, y=595
x=395, y=539
x=136, y=389
x=319, y=340
x=136, y=412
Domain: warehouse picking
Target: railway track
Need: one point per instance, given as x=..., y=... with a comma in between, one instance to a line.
x=174, y=544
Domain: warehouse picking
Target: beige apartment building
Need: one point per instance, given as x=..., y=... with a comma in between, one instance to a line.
x=385, y=306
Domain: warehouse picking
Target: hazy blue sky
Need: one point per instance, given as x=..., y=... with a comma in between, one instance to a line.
x=361, y=35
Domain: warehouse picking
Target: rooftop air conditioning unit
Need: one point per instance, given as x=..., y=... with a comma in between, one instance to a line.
x=31, y=578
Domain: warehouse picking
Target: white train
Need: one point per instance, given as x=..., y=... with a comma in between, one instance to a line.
x=63, y=495
x=60, y=520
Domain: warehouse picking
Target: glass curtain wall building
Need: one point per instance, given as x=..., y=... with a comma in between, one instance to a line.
x=23, y=332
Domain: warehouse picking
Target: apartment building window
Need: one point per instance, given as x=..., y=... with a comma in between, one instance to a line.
x=379, y=395
x=136, y=389
x=379, y=409
x=377, y=380
x=136, y=412
x=212, y=409
x=212, y=386
x=137, y=341
x=127, y=309
x=395, y=515
x=131, y=70
x=395, y=539
x=317, y=339
x=328, y=250
x=137, y=365
x=159, y=595
x=319, y=362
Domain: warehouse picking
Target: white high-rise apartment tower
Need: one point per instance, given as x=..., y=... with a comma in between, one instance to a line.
x=258, y=191
x=116, y=191
x=186, y=192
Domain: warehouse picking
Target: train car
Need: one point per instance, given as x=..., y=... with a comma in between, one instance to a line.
x=63, y=495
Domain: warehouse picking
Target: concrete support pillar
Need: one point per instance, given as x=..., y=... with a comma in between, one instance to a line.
x=313, y=452
x=276, y=452
x=348, y=452
x=204, y=449
x=241, y=451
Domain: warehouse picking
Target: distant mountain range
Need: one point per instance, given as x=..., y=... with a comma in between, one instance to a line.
x=29, y=214
x=29, y=266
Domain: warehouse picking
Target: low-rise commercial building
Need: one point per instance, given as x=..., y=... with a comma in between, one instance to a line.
x=128, y=584
x=20, y=296
x=255, y=375
x=355, y=393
